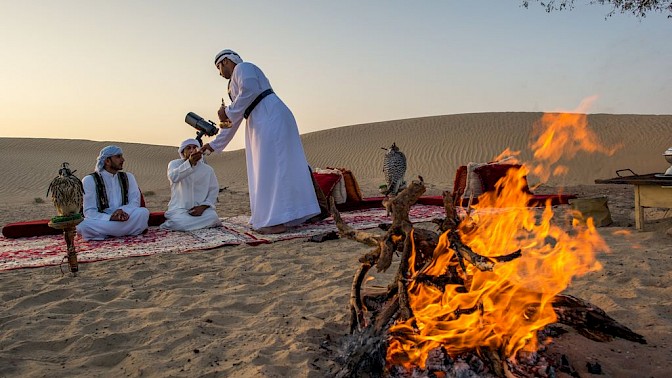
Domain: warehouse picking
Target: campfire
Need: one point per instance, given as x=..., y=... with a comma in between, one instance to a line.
x=484, y=294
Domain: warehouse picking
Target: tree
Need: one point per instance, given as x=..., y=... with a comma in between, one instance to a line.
x=637, y=7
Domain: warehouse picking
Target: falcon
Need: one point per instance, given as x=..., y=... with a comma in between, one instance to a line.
x=394, y=168
x=67, y=192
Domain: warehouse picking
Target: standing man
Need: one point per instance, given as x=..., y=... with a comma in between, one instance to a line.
x=278, y=176
x=111, y=200
x=193, y=191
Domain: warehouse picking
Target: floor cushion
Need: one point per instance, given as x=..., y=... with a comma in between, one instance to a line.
x=326, y=181
x=29, y=228
x=352, y=190
x=489, y=174
x=41, y=227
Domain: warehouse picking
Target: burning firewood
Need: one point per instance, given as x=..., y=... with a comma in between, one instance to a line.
x=382, y=319
x=385, y=246
x=591, y=321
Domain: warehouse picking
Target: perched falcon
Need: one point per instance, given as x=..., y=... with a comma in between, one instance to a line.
x=394, y=167
x=66, y=192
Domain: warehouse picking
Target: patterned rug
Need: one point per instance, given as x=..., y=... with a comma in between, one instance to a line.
x=360, y=220
x=51, y=249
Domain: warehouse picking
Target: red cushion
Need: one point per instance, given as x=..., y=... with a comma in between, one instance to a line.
x=29, y=228
x=41, y=227
x=460, y=183
x=156, y=218
x=491, y=173
x=326, y=181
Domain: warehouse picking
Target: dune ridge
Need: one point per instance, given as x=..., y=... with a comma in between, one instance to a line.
x=281, y=309
x=434, y=146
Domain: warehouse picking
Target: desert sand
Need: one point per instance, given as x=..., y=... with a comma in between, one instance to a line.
x=279, y=310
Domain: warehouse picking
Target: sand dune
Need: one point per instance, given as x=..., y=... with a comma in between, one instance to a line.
x=434, y=146
x=275, y=310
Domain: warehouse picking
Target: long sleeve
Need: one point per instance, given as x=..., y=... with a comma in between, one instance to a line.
x=213, y=191
x=224, y=137
x=178, y=170
x=247, y=82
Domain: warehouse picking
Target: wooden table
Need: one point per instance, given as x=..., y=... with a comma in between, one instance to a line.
x=650, y=191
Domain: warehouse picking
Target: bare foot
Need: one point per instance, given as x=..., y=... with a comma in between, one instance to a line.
x=277, y=229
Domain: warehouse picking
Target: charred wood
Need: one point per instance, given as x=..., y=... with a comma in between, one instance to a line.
x=357, y=309
x=399, y=207
x=346, y=231
x=591, y=321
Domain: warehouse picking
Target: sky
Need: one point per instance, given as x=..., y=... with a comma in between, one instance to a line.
x=130, y=70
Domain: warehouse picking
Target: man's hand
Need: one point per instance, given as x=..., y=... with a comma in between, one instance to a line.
x=119, y=216
x=197, y=211
x=225, y=124
x=206, y=149
x=195, y=157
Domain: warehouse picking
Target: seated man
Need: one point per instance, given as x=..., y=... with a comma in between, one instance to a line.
x=193, y=191
x=111, y=200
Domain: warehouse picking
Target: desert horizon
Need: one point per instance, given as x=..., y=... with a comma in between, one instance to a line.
x=434, y=146
x=281, y=309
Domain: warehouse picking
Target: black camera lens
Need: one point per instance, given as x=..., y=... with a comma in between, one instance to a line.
x=197, y=122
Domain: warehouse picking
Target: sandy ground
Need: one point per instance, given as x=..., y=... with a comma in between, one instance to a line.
x=270, y=310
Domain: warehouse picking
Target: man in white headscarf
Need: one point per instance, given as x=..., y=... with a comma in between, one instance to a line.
x=193, y=191
x=280, y=183
x=111, y=200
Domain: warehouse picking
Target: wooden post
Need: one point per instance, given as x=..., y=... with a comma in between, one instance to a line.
x=69, y=231
x=639, y=211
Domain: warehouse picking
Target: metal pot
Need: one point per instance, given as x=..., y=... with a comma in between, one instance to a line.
x=668, y=155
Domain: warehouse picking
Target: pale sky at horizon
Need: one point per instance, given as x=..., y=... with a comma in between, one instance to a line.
x=130, y=71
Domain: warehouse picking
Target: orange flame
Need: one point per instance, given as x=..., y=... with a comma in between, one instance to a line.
x=504, y=308
x=563, y=135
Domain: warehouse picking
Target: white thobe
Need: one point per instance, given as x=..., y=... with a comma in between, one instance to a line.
x=97, y=225
x=189, y=187
x=278, y=176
